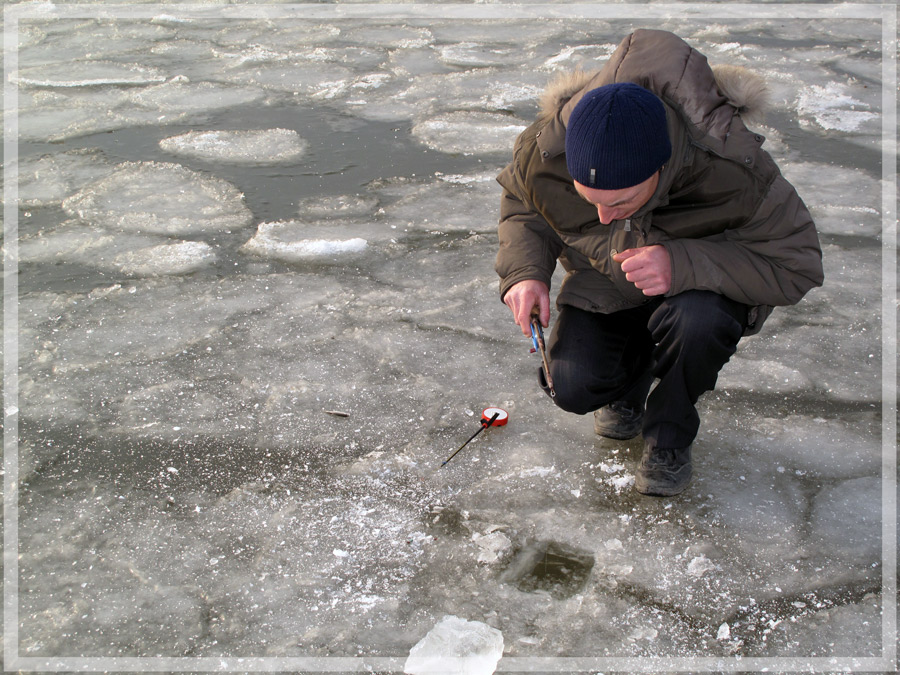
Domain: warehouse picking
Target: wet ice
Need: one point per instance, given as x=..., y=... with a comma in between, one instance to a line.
x=183, y=333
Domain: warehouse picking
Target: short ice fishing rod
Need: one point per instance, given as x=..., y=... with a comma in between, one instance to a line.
x=490, y=417
x=537, y=339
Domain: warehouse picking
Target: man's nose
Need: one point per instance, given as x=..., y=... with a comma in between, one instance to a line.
x=607, y=215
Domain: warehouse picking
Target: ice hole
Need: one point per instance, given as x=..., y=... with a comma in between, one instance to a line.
x=549, y=567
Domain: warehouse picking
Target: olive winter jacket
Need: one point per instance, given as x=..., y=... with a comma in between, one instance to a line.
x=729, y=220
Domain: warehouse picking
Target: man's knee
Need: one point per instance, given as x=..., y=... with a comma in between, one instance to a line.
x=698, y=319
x=579, y=394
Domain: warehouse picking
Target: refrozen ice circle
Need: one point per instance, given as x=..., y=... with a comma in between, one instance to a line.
x=88, y=74
x=290, y=241
x=256, y=146
x=180, y=257
x=160, y=198
x=469, y=132
x=195, y=97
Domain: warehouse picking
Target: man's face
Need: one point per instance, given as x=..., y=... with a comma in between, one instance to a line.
x=618, y=204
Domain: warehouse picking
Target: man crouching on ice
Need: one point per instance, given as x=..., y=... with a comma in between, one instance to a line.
x=677, y=232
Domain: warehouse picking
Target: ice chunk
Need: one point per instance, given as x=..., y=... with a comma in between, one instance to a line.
x=391, y=36
x=132, y=254
x=319, y=79
x=700, y=566
x=832, y=108
x=258, y=146
x=522, y=34
x=88, y=74
x=469, y=132
x=176, y=258
x=312, y=52
x=575, y=56
x=471, y=54
x=182, y=96
x=49, y=179
x=337, y=206
x=158, y=317
x=73, y=241
x=120, y=43
x=288, y=36
x=643, y=633
x=161, y=198
x=455, y=645
x=492, y=547
x=449, y=204
x=289, y=241
x=485, y=91
x=414, y=62
x=58, y=114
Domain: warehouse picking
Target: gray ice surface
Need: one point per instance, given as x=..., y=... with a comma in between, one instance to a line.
x=238, y=377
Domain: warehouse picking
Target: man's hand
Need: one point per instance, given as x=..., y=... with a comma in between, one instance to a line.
x=523, y=298
x=648, y=267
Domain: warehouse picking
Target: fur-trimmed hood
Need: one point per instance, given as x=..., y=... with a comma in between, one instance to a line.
x=743, y=89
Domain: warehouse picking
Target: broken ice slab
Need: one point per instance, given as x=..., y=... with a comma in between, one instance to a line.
x=181, y=96
x=291, y=241
x=48, y=179
x=485, y=91
x=129, y=199
x=87, y=74
x=469, y=132
x=337, y=206
x=180, y=257
x=254, y=146
x=456, y=646
x=447, y=203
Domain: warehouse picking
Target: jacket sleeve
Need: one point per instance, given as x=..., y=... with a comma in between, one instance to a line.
x=773, y=259
x=529, y=247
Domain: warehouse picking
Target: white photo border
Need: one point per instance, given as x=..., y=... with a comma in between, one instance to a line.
x=886, y=14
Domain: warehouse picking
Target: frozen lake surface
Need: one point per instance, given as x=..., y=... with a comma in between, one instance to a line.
x=232, y=229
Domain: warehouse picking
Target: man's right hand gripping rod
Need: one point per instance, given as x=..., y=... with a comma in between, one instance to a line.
x=537, y=338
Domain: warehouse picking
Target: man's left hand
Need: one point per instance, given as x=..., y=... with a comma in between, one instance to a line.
x=648, y=268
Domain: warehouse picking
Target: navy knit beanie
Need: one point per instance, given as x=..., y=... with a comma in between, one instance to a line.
x=617, y=137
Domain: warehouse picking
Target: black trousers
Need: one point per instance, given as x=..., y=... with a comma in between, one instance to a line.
x=683, y=341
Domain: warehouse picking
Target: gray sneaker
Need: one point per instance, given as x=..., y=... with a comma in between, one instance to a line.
x=663, y=472
x=619, y=420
